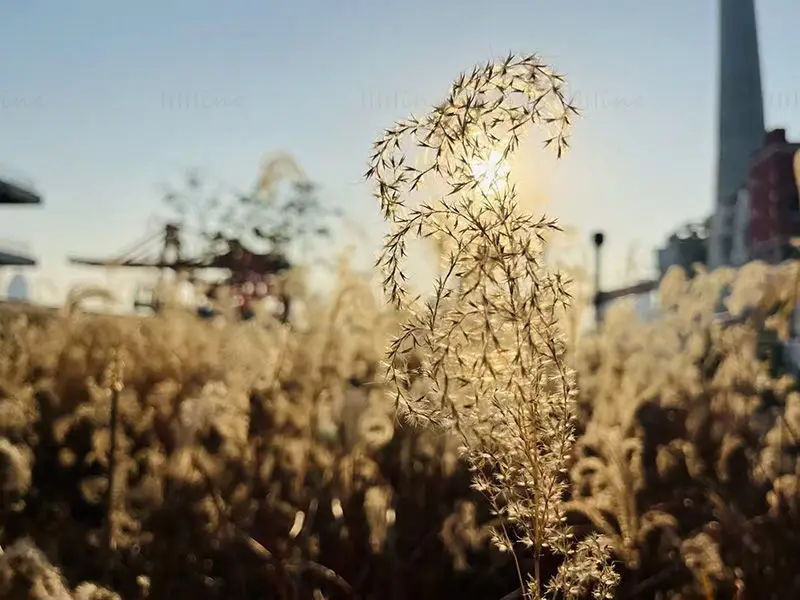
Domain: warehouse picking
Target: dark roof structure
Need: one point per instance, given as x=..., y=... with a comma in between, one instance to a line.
x=15, y=194
x=10, y=259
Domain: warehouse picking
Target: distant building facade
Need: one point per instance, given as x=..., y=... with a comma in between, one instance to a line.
x=18, y=288
x=740, y=237
x=685, y=248
x=774, y=203
x=763, y=216
x=720, y=242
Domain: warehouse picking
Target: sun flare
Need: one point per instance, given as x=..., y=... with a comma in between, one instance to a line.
x=491, y=173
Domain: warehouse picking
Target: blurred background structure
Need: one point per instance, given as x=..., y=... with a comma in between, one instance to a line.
x=740, y=118
x=757, y=208
x=13, y=193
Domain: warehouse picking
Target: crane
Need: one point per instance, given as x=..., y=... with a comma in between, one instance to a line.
x=250, y=276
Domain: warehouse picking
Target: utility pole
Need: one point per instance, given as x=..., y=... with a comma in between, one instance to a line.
x=598, y=238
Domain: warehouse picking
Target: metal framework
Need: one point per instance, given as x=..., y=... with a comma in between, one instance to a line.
x=251, y=276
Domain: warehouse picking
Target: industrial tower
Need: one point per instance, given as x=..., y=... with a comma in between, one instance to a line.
x=740, y=120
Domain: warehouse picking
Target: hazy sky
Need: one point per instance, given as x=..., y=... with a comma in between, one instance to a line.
x=102, y=102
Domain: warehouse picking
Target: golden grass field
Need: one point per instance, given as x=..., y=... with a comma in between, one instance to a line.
x=254, y=461
x=473, y=443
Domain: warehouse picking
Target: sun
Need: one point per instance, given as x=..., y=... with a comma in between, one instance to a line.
x=491, y=173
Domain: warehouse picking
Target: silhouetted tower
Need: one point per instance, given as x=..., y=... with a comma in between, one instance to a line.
x=740, y=132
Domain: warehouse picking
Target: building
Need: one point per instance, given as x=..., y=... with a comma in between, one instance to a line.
x=774, y=200
x=761, y=219
x=685, y=248
x=740, y=239
x=16, y=194
x=740, y=126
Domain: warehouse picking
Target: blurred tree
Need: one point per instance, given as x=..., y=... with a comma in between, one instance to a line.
x=280, y=213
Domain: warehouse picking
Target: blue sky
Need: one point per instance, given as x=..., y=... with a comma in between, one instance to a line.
x=103, y=102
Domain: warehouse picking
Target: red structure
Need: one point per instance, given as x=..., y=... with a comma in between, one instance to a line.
x=251, y=276
x=773, y=197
